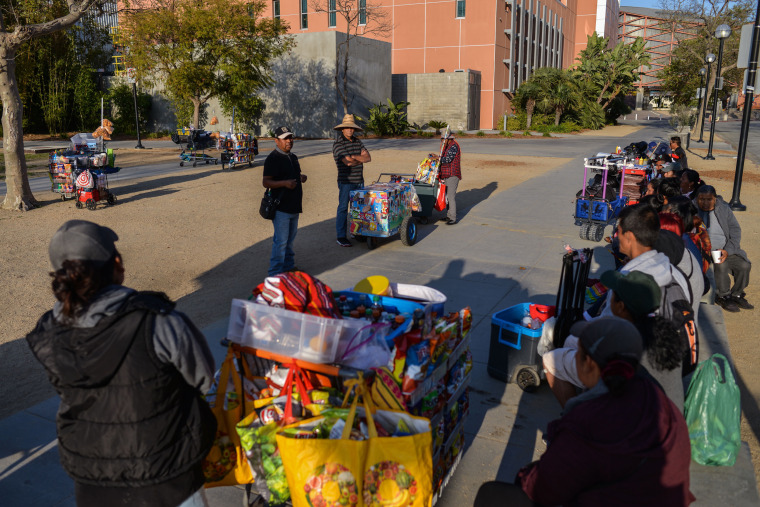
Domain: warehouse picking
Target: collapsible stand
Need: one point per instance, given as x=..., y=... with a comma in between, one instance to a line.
x=572, y=291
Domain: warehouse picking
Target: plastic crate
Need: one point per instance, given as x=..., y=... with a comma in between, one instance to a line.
x=391, y=305
x=292, y=334
x=513, y=347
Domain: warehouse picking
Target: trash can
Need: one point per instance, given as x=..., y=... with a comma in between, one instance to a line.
x=512, y=355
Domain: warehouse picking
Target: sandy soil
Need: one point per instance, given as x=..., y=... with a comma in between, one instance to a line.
x=197, y=236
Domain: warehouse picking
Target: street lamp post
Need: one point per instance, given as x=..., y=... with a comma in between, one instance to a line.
x=708, y=60
x=749, y=98
x=721, y=33
x=702, y=91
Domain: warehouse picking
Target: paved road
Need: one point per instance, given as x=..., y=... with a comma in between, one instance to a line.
x=730, y=130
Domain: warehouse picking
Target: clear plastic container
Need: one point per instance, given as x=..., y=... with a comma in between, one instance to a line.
x=292, y=334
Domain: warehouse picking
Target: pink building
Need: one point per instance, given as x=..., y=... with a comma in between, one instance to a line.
x=503, y=40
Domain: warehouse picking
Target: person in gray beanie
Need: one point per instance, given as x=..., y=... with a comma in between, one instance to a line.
x=133, y=427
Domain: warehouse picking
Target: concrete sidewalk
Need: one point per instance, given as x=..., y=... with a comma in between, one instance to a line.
x=505, y=250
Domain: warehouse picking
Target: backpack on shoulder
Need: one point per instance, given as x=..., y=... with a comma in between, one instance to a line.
x=676, y=307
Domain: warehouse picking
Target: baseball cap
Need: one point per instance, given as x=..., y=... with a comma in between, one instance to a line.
x=638, y=291
x=607, y=338
x=282, y=132
x=80, y=240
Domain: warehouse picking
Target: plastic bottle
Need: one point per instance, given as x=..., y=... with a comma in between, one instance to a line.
x=535, y=323
x=527, y=321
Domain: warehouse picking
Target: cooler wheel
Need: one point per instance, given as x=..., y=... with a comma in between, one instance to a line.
x=111, y=199
x=181, y=164
x=90, y=204
x=79, y=204
x=528, y=379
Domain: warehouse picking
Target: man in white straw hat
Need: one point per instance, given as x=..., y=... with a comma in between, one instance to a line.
x=350, y=156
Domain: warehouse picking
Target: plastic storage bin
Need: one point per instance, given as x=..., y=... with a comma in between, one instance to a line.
x=392, y=305
x=512, y=355
x=292, y=334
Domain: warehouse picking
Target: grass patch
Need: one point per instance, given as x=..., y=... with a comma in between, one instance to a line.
x=36, y=164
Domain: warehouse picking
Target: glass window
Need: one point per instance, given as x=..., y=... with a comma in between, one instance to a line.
x=304, y=15
x=460, y=8
x=362, y=12
x=331, y=14
x=276, y=8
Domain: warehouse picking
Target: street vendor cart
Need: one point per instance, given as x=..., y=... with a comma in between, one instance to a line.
x=314, y=428
x=382, y=210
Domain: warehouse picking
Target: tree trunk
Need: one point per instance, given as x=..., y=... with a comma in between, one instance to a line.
x=710, y=87
x=557, y=116
x=529, y=112
x=196, y=112
x=18, y=192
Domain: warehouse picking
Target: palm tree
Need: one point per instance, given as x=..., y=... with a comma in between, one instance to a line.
x=526, y=96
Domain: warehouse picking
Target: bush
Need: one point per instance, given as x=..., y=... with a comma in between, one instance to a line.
x=460, y=132
x=124, y=117
x=591, y=116
x=526, y=133
x=517, y=122
x=509, y=134
x=502, y=133
x=387, y=119
x=546, y=134
x=480, y=133
x=437, y=125
x=681, y=117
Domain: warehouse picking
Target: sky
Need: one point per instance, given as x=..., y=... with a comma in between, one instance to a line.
x=653, y=4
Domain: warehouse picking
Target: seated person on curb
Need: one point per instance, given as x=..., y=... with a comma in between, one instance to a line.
x=695, y=235
x=635, y=298
x=671, y=243
x=621, y=443
x=690, y=182
x=638, y=230
x=725, y=235
x=678, y=154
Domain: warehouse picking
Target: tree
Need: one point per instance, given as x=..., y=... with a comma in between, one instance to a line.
x=526, y=96
x=357, y=18
x=20, y=23
x=201, y=50
x=558, y=91
x=605, y=73
x=681, y=77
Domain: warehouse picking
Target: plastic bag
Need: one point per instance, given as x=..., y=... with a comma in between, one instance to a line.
x=713, y=413
x=546, y=342
x=366, y=347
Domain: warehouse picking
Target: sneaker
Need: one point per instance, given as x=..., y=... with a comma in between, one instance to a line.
x=450, y=222
x=344, y=242
x=742, y=303
x=727, y=304
x=443, y=219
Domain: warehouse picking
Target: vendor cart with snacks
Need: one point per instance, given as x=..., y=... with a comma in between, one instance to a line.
x=238, y=148
x=81, y=172
x=382, y=210
x=341, y=398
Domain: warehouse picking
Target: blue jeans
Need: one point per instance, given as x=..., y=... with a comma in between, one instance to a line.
x=344, y=196
x=283, y=256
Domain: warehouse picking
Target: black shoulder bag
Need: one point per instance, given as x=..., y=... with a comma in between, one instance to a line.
x=269, y=204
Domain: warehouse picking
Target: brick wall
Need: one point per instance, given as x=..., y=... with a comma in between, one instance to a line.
x=435, y=96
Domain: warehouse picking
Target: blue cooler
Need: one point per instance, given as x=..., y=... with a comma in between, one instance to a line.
x=512, y=355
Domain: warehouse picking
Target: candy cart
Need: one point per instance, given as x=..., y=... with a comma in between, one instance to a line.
x=382, y=210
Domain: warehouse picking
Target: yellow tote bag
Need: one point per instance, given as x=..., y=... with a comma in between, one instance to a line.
x=226, y=464
x=380, y=471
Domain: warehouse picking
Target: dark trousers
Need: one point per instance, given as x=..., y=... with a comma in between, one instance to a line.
x=502, y=494
x=734, y=266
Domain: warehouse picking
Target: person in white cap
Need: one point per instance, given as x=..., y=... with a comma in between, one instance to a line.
x=350, y=156
x=133, y=427
x=450, y=173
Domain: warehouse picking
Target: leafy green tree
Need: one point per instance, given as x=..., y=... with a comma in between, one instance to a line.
x=681, y=77
x=558, y=91
x=86, y=100
x=390, y=119
x=201, y=50
x=123, y=102
x=21, y=22
x=526, y=96
x=605, y=73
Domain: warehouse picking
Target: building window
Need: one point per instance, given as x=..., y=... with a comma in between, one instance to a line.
x=276, y=8
x=331, y=17
x=460, y=8
x=362, y=12
x=304, y=15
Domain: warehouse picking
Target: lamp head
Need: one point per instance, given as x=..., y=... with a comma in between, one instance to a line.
x=722, y=32
x=702, y=71
x=710, y=58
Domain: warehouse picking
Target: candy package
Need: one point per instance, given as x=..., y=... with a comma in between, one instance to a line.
x=417, y=362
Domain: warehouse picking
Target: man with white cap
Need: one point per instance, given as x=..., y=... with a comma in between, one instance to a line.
x=450, y=173
x=133, y=427
x=350, y=156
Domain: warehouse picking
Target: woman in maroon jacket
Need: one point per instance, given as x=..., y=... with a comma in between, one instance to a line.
x=621, y=443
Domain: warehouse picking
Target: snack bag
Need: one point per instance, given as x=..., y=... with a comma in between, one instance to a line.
x=417, y=363
x=263, y=456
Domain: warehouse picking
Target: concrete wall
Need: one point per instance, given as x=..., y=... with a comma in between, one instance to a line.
x=441, y=96
x=304, y=96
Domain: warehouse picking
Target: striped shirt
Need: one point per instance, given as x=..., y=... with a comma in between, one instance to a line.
x=342, y=148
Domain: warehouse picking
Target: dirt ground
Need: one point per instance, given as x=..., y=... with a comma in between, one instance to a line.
x=197, y=236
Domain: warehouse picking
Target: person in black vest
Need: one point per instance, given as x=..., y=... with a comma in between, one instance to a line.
x=677, y=153
x=282, y=174
x=133, y=427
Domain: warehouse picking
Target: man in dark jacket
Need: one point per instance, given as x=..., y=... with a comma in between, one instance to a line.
x=133, y=428
x=725, y=236
x=451, y=173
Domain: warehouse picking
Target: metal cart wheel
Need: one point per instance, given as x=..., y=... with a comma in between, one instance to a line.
x=207, y=162
x=371, y=243
x=181, y=164
x=408, y=231
x=63, y=197
x=527, y=379
x=111, y=199
x=195, y=163
x=90, y=204
x=598, y=233
x=79, y=204
x=423, y=220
